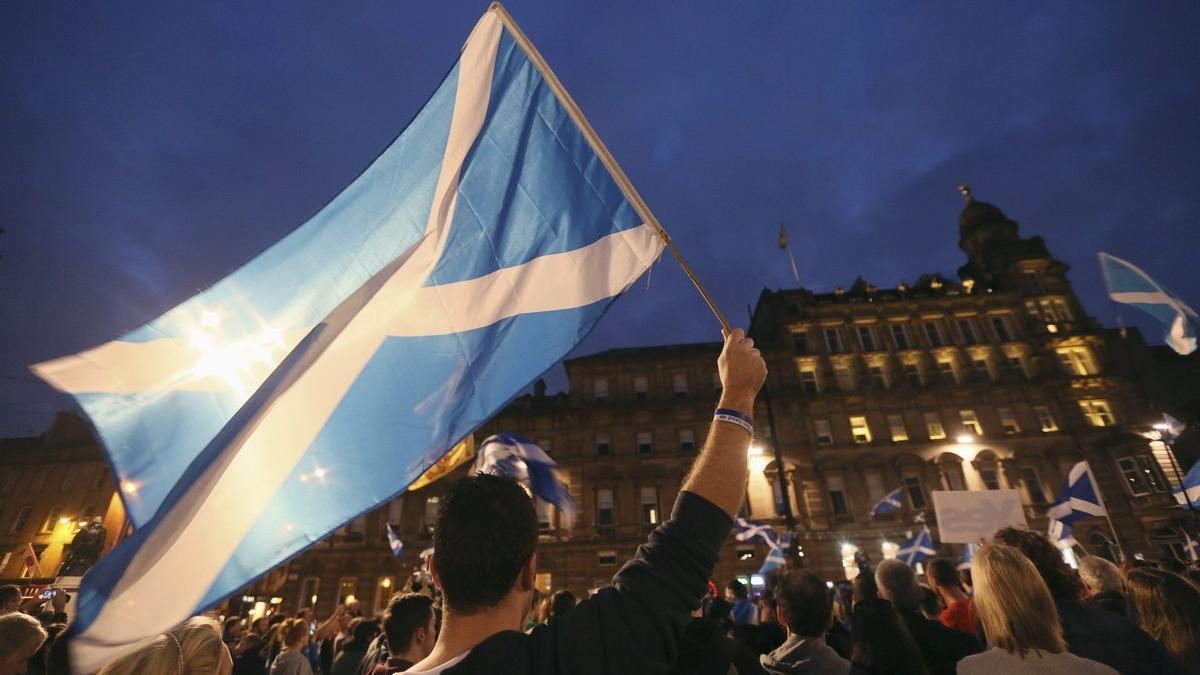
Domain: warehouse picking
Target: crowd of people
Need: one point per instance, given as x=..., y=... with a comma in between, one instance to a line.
x=1019, y=609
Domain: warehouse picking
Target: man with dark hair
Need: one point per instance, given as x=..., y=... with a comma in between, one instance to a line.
x=409, y=626
x=561, y=603
x=743, y=610
x=864, y=588
x=942, y=647
x=485, y=564
x=10, y=599
x=959, y=613
x=806, y=610
x=1089, y=632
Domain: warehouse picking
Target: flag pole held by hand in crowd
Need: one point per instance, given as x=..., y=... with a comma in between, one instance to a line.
x=605, y=156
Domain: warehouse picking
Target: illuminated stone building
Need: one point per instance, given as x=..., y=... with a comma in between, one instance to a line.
x=49, y=485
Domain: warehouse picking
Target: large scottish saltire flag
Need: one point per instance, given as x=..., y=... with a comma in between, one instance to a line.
x=892, y=501
x=326, y=374
x=917, y=549
x=1078, y=498
x=777, y=556
x=1130, y=285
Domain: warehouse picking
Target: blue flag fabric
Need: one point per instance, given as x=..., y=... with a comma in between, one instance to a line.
x=917, y=549
x=1078, y=498
x=394, y=542
x=968, y=555
x=333, y=369
x=749, y=530
x=777, y=557
x=519, y=458
x=891, y=502
x=1188, y=494
x=1131, y=286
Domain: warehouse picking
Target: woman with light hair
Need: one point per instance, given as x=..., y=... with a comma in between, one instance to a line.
x=193, y=648
x=21, y=636
x=1019, y=620
x=1168, y=608
x=294, y=634
x=1105, y=587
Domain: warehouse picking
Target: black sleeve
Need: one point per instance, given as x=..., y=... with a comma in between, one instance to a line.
x=635, y=625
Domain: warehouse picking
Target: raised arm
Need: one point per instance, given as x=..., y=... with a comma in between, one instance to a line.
x=719, y=473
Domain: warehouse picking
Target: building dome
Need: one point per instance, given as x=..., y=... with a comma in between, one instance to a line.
x=979, y=213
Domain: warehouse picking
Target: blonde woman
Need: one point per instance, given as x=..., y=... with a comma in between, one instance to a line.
x=291, y=661
x=1168, y=608
x=191, y=649
x=21, y=636
x=1019, y=620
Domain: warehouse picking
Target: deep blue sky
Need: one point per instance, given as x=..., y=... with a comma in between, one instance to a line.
x=147, y=150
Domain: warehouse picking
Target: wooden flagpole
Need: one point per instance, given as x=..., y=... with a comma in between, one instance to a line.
x=602, y=152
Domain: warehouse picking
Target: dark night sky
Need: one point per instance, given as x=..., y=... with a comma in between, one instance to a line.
x=146, y=151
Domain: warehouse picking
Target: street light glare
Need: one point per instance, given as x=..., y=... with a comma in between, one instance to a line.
x=965, y=438
x=754, y=450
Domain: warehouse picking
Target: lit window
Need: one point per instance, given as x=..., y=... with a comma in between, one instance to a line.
x=912, y=373
x=1097, y=413
x=1134, y=478
x=645, y=443
x=934, y=333
x=429, y=517
x=933, y=425
x=1045, y=418
x=946, y=372
x=1000, y=327
x=604, y=506
x=649, y=495
x=824, y=433
x=600, y=388
x=966, y=328
x=866, y=338
x=845, y=378
x=808, y=381
x=51, y=519
x=916, y=495
x=833, y=341
x=900, y=336
x=606, y=558
x=970, y=422
x=679, y=384
x=837, y=496
x=687, y=440
x=1077, y=361
x=545, y=513
x=860, y=430
x=1153, y=473
x=1033, y=485
x=1008, y=421
x=640, y=387
x=896, y=426
x=603, y=445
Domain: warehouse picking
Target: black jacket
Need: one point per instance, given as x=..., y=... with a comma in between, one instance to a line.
x=1110, y=601
x=1116, y=642
x=942, y=647
x=633, y=626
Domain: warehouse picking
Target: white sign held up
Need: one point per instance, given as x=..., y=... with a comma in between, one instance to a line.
x=966, y=517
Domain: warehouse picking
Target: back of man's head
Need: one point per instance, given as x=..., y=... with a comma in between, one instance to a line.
x=1047, y=558
x=942, y=572
x=898, y=583
x=561, y=603
x=10, y=598
x=1101, y=575
x=806, y=603
x=486, y=531
x=737, y=588
x=865, y=588
x=405, y=614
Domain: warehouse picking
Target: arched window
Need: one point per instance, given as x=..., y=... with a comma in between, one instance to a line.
x=951, y=472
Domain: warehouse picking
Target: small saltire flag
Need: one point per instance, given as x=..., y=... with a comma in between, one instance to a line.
x=917, y=549
x=777, y=557
x=967, y=556
x=394, y=541
x=520, y=459
x=1191, y=548
x=749, y=530
x=1078, y=498
x=328, y=373
x=1131, y=286
x=1060, y=533
x=1188, y=494
x=890, y=502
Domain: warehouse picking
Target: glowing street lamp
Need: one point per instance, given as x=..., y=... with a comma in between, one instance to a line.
x=966, y=439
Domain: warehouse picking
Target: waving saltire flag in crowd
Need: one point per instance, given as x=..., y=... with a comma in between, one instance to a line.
x=917, y=549
x=329, y=372
x=522, y=460
x=749, y=530
x=1188, y=494
x=394, y=541
x=1131, y=286
x=890, y=502
x=1078, y=498
x=968, y=556
x=1190, y=548
x=777, y=556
